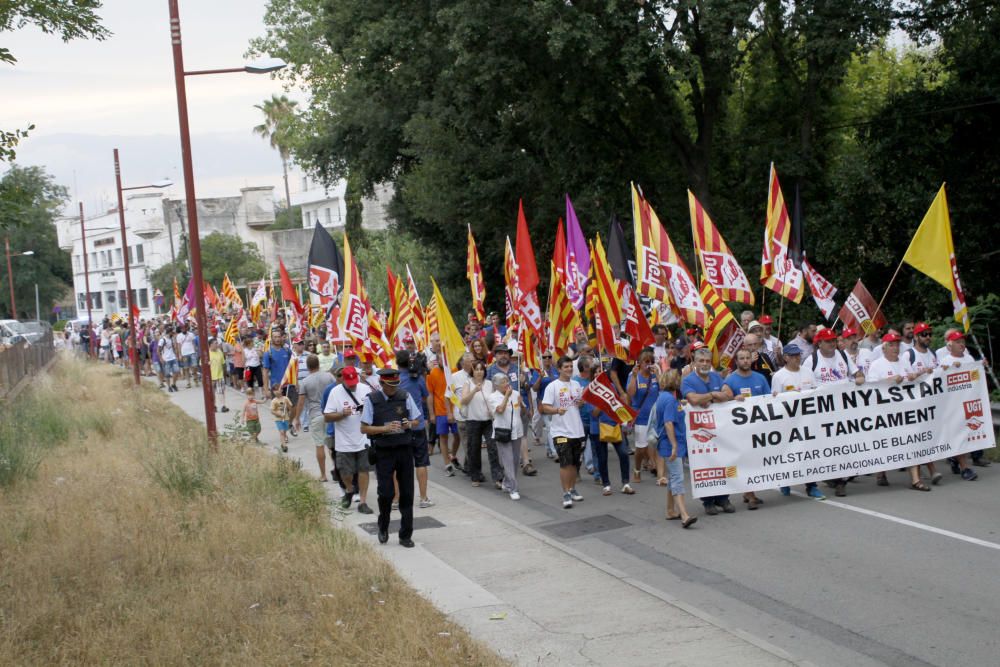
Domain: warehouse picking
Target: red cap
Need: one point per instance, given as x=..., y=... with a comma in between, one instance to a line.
x=697, y=345
x=848, y=332
x=350, y=353
x=824, y=334
x=891, y=337
x=349, y=376
x=954, y=335
x=407, y=339
x=765, y=319
x=691, y=332
x=922, y=327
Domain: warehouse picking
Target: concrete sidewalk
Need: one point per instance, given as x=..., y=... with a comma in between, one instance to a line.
x=531, y=597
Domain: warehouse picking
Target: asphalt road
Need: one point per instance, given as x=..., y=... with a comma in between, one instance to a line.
x=886, y=576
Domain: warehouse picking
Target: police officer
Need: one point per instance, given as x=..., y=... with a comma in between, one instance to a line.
x=389, y=417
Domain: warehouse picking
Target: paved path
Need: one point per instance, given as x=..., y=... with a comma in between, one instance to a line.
x=884, y=576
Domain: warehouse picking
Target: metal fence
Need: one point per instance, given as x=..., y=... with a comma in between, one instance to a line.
x=21, y=360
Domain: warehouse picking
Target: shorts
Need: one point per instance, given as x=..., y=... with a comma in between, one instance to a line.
x=292, y=392
x=170, y=368
x=441, y=426
x=317, y=430
x=253, y=426
x=640, y=436
x=256, y=376
x=190, y=361
x=675, y=476
x=282, y=424
x=155, y=365
x=421, y=459
x=569, y=450
x=349, y=463
x=237, y=373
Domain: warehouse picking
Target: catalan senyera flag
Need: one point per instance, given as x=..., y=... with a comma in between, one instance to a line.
x=430, y=318
x=608, y=309
x=417, y=310
x=257, y=302
x=563, y=318
x=932, y=252
x=377, y=341
x=474, y=273
x=233, y=330
x=512, y=295
x=718, y=317
x=601, y=394
x=777, y=271
x=651, y=280
x=354, y=300
x=717, y=261
x=230, y=293
x=527, y=344
x=317, y=315
x=291, y=376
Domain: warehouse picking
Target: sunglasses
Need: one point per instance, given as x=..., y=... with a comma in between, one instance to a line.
x=924, y=334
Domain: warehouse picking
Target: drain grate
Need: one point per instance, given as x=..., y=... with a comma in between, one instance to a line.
x=578, y=528
x=419, y=523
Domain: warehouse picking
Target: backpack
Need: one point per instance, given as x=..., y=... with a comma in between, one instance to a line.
x=847, y=362
x=913, y=355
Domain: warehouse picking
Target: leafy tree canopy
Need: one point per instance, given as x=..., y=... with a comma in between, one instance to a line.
x=220, y=254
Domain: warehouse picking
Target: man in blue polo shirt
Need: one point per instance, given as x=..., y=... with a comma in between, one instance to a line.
x=701, y=389
x=744, y=383
x=276, y=360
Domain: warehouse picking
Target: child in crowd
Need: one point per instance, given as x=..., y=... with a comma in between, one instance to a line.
x=281, y=408
x=251, y=417
x=217, y=361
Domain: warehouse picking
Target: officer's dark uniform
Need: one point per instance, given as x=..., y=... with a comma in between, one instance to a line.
x=393, y=454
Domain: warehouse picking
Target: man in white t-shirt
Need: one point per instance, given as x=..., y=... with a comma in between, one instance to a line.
x=956, y=354
x=561, y=401
x=921, y=357
x=955, y=351
x=343, y=408
x=167, y=348
x=890, y=367
x=792, y=377
x=771, y=342
x=458, y=380
x=830, y=365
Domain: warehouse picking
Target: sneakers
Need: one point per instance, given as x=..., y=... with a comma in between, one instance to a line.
x=814, y=492
x=449, y=470
x=607, y=491
x=514, y=495
x=529, y=470
x=936, y=479
x=345, y=502
x=567, y=500
x=711, y=510
x=840, y=490
x=575, y=495
x=225, y=409
x=982, y=462
x=787, y=490
x=284, y=448
x=627, y=490
x=456, y=465
x=364, y=509
x=395, y=506
x=969, y=475
x=728, y=508
x=425, y=503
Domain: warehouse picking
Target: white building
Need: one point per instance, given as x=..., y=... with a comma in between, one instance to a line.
x=155, y=230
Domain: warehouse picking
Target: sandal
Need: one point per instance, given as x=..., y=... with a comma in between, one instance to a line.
x=637, y=476
x=920, y=486
x=690, y=522
x=662, y=481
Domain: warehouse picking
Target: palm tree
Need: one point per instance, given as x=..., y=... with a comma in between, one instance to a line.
x=279, y=113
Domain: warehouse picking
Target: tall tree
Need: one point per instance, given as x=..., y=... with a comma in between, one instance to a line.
x=277, y=129
x=70, y=19
x=29, y=204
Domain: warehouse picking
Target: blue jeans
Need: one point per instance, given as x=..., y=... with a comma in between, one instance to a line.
x=601, y=450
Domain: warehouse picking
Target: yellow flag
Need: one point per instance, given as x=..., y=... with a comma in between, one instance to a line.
x=452, y=343
x=932, y=253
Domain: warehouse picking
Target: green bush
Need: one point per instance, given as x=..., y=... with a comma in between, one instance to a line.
x=182, y=466
x=18, y=459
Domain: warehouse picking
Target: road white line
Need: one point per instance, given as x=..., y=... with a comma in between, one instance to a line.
x=907, y=522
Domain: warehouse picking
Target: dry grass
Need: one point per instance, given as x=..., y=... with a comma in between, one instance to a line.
x=107, y=557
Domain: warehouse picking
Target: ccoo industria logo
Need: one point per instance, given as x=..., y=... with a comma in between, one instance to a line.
x=962, y=380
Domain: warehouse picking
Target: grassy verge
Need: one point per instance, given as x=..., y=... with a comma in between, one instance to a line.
x=123, y=541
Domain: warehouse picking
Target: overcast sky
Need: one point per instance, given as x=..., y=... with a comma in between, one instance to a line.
x=87, y=97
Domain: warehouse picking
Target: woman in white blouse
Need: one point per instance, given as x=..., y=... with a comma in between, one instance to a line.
x=479, y=420
x=505, y=404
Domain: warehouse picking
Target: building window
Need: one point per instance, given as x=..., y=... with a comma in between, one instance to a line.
x=143, y=295
x=81, y=304
x=93, y=259
x=329, y=217
x=118, y=257
x=76, y=263
x=140, y=254
x=95, y=300
x=122, y=300
x=131, y=256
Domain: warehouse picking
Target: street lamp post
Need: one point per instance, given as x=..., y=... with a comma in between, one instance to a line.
x=192, y=206
x=130, y=299
x=10, y=273
x=86, y=282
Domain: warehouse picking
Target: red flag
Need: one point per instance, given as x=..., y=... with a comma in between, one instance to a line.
x=559, y=253
x=288, y=292
x=601, y=394
x=822, y=289
x=859, y=311
x=636, y=325
x=527, y=270
x=135, y=314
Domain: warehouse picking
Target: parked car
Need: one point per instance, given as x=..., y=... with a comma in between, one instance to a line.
x=36, y=329
x=12, y=332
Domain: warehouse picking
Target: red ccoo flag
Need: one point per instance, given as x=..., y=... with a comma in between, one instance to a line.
x=288, y=292
x=860, y=311
x=601, y=394
x=527, y=275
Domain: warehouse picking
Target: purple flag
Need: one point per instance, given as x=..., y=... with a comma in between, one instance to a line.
x=577, y=259
x=187, y=303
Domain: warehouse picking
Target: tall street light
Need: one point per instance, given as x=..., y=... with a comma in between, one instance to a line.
x=264, y=67
x=130, y=299
x=10, y=273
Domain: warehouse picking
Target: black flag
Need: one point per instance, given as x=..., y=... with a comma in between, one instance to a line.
x=617, y=251
x=326, y=268
x=796, y=238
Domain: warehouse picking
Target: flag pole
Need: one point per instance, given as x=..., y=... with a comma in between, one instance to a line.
x=781, y=312
x=878, y=308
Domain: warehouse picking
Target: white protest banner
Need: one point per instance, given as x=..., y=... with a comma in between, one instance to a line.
x=837, y=431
